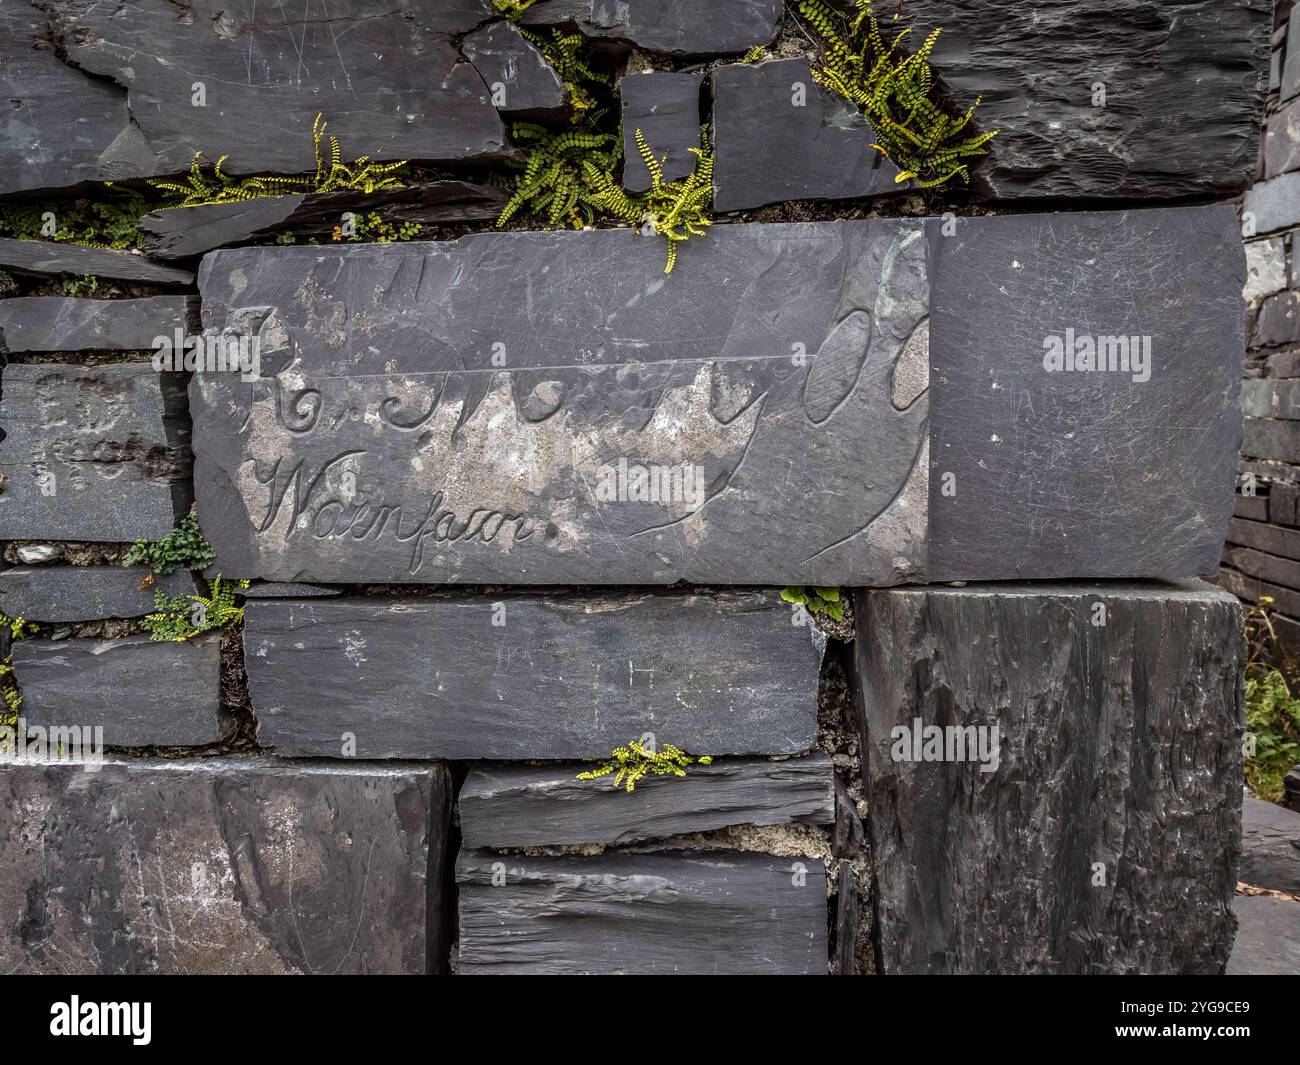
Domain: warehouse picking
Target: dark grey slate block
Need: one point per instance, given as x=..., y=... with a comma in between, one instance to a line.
x=555, y=678
x=90, y=452
x=53, y=323
x=223, y=866
x=672, y=27
x=527, y=806
x=1278, y=321
x=665, y=107
x=519, y=79
x=1282, y=141
x=1266, y=398
x=1268, y=937
x=387, y=78
x=1291, y=64
x=85, y=593
x=1168, y=68
x=1118, y=755
x=1265, y=268
x=1274, y=204
x=486, y=439
x=1042, y=474
x=144, y=693
x=778, y=135
x=715, y=913
x=1270, y=846
x=44, y=257
x=1272, y=438
x=287, y=590
x=182, y=232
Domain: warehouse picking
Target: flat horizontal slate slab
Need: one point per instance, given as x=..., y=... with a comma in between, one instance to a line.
x=143, y=693
x=85, y=593
x=221, y=866
x=555, y=678
x=90, y=452
x=526, y=806
x=1270, y=846
x=672, y=27
x=714, y=913
x=54, y=323
x=1168, y=68
x=45, y=257
x=778, y=135
x=760, y=416
x=1118, y=755
x=1268, y=937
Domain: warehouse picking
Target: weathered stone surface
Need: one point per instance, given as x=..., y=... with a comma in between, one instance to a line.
x=1167, y=69
x=1291, y=782
x=1271, y=438
x=90, y=452
x=85, y=593
x=1274, y=204
x=286, y=590
x=761, y=374
x=528, y=806
x=44, y=257
x=53, y=323
x=552, y=678
x=386, y=77
x=144, y=693
x=1268, y=937
x=1282, y=141
x=1270, y=846
x=1056, y=474
x=665, y=107
x=183, y=232
x=1114, y=747
x=1291, y=65
x=222, y=866
x=778, y=135
x=714, y=912
x=520, y=80
x=1266, y=398
x=1265, y=268
x=1278, y=321
x=846, y=922
x=673, y=27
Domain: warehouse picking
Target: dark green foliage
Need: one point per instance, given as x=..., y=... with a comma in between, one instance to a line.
x=896, y=91
x=590, y=90
x=637, y=760
x=108, y=222
x=1272, y=709
x=512, y=9
x=11, y=699
x=182, y=548
x=182, y=617
x=816, y=600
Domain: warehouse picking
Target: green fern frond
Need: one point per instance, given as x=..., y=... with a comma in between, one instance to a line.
x=634, y=762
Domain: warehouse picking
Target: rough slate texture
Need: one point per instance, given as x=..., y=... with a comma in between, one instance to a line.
x=220, y=866
x=46, y=257
x=143, y=692
x=714, y=913
x=1118, y=744
x=90, y=452
x=1274, y=204
x=674, y=27
x=774, y=145
x=561, y=678
x=1058, y=474
x=511, y=66
x=1167, y=68
x=408, y=472
x=526, y=806
x=1270, y=846
x=55, y=323
x=85, y=593
x=665, y=107
x=1268, y=937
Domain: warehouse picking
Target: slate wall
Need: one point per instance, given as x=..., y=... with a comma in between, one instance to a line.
x=377, y=768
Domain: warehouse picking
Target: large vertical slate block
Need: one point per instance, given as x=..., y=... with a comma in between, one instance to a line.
x=1045, y=469
x=517, y=677
x=1105, y=838
x=226, y=865
x=90, y=452
x=706, y=913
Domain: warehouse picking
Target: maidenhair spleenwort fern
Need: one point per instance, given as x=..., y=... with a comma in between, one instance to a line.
x=896, y=92
x=637, y=760
x=182, y=617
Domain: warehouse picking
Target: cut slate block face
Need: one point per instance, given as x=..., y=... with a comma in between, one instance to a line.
x=778, y=135
x=85, y=593
x=142, y=692
x=54, y=323
x=714, y=912
x=1268, y=936
x=388, y=81
x=46, y=257
x=537, y=806
x=670, y=27
x=555, y=678
x=520, y=80
x=1115, y=745
x=665, y=107
x=1274, y=204
x=747, y=419
x=90, y=452
x=1270, y=847
x=222, y=866
x=1169, y=68
x=1041, y=469
x=760, y=416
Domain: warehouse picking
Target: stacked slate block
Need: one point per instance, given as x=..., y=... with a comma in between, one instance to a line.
x=463, y=597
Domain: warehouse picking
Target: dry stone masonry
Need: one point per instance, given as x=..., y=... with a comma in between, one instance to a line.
x=481, y=663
